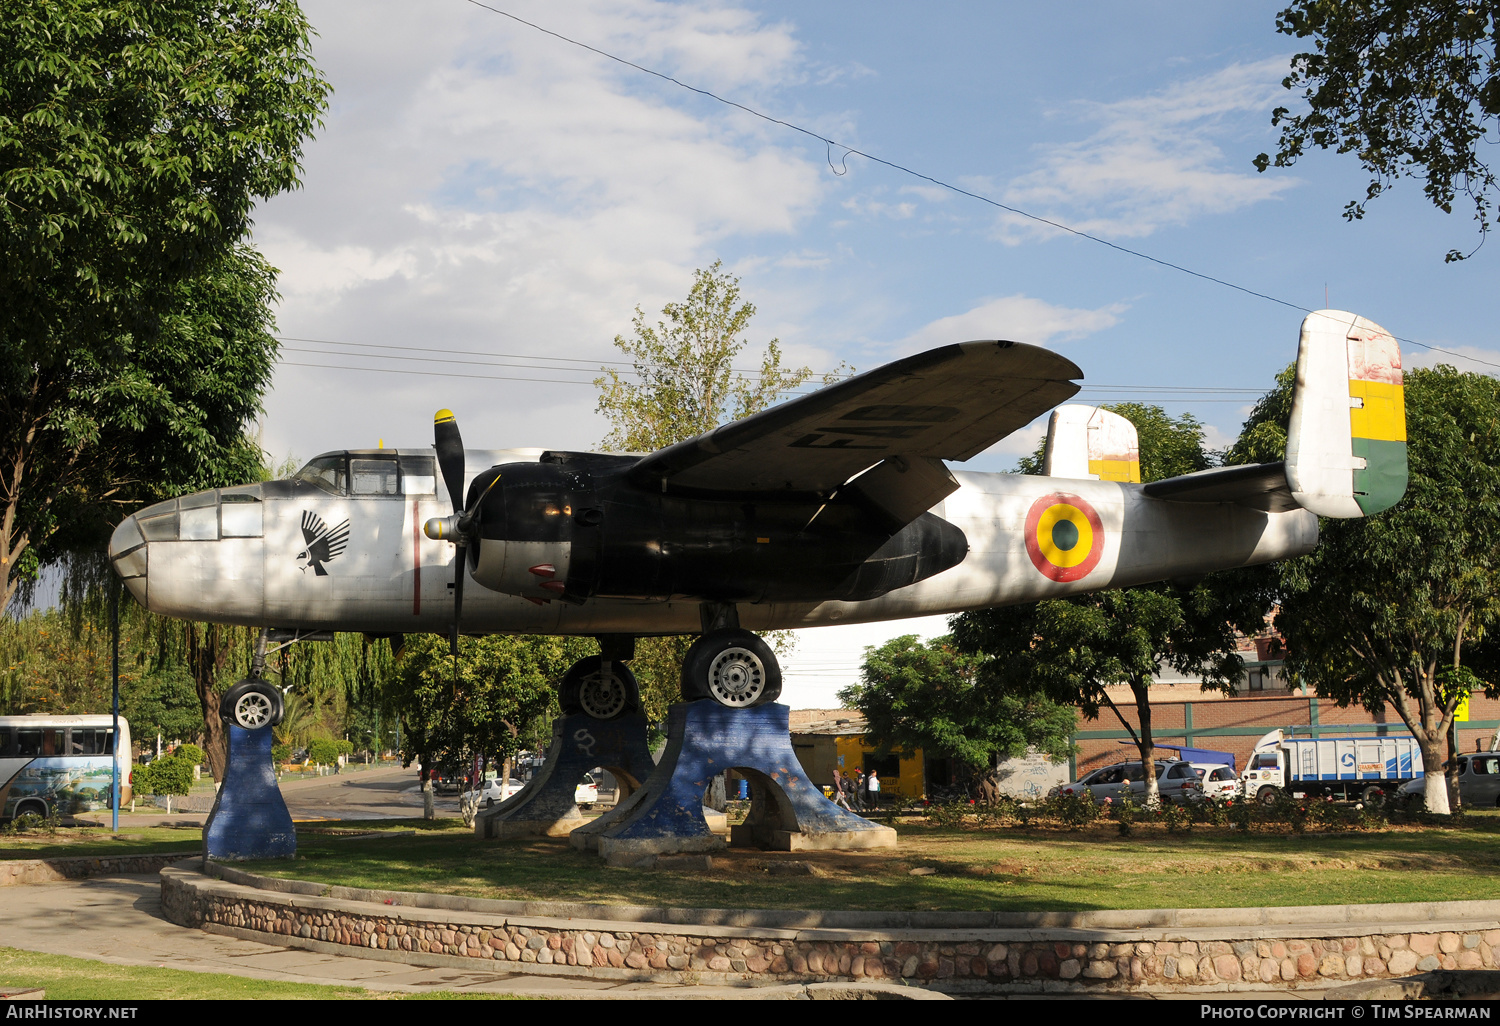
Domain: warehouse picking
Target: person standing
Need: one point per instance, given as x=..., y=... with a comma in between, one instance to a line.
x=840, y=786
x=872, y=784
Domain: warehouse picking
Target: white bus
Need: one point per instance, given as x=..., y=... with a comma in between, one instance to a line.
x=51, y=763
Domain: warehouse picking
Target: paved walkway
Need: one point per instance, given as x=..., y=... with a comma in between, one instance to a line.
x=118, y=920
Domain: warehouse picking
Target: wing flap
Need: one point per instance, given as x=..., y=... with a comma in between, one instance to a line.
x=949, y=403
x=1260, y=486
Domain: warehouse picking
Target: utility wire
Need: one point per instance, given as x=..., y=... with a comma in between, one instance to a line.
x=853, y=151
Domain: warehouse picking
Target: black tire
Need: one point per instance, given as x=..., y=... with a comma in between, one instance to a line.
x=1267, y=795
x=1372, y=794
x=251, y=705
x=733, y=667
x=584, y=691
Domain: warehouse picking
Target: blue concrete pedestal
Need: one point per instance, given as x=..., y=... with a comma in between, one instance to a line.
x=787, y=812
x=249, y=818
x=545, y=806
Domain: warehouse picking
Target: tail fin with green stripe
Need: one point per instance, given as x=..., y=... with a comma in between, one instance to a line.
x=1346, y=444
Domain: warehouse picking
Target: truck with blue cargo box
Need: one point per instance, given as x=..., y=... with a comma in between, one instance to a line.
x=1353, y=768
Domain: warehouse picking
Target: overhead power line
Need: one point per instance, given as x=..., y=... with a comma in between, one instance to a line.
x=849, y=151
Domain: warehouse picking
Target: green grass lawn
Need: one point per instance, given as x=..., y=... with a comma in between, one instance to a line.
x=90, y=840
x=1004, y=869
x=79, y=979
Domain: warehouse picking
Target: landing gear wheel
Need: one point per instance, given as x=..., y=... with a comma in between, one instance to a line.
x=252, y=704
x=586, y=690
x=1267, y=796
x=733, y=667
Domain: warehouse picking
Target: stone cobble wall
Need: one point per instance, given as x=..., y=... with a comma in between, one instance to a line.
x=33, y=871
x=809, y=955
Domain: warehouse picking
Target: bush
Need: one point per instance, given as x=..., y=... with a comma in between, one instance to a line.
x=323, y=750
x=281, y=753
x=192, y=754
x=166, y=776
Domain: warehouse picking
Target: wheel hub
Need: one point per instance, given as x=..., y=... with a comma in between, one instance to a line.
x=252, y=710
x=602, y=697
x=736, y=678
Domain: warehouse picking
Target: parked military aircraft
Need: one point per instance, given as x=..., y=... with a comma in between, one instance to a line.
x=836, y=507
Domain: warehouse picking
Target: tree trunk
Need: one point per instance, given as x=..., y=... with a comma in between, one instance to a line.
x=429, y=811
x=1145, y=744
x=1434, y=779
x=206, y=653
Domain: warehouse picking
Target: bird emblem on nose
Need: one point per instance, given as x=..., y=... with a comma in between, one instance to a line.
x=323, y=545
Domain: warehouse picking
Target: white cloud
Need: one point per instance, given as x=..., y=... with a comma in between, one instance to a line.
x=481, y=186
x=1018, y=318
x=1153, y=161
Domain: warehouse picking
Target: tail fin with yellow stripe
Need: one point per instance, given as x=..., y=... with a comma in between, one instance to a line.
x=1346, y=443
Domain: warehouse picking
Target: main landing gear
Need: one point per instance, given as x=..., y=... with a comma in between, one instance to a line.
x=734, y=667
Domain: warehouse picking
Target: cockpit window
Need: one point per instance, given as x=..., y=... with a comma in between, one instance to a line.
x=372, y=476
x=327, y=472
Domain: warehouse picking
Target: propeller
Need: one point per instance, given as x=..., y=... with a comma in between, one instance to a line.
x=460, y=527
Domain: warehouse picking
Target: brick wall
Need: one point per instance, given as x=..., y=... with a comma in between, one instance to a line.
x=1235, y=724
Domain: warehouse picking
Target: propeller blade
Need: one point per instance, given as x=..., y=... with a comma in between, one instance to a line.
x=459, y=573
x=450, y=455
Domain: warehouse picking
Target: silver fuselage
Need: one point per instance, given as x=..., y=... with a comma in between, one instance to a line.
x=240, y=556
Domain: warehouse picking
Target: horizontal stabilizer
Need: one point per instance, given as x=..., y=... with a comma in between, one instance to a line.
x=1346, y=443
x=1260, y=486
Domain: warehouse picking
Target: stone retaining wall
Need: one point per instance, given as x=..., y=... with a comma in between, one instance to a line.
x=33, y=871
x=1298, y=953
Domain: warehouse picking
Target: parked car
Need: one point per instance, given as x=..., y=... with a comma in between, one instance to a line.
x=586, y=794
x=1478, y=780
x=492, y=791
x=1176, y=781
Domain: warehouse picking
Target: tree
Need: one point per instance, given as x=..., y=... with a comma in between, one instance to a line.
x=932, y=697
x=1408, y=85
x=685, y=383
x=1386, y=609
x=167, y=776
x=135, y=137
x=495, y=705
x=1072, y=650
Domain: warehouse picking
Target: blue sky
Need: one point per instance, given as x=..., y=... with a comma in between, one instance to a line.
x=479, y=186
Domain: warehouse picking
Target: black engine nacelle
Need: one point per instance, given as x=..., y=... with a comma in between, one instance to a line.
x=572, y=526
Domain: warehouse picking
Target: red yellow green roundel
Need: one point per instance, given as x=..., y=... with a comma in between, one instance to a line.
x=1064, y=537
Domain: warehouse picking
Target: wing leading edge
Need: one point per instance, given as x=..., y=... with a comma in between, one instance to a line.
x=949, y=403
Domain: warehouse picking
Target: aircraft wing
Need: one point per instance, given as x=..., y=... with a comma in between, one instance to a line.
x=1261, y=486
x=945, y=404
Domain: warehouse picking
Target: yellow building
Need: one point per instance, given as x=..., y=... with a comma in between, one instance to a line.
x=829, y=739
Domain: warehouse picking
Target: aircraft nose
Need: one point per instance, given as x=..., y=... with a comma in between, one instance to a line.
x=127, y=552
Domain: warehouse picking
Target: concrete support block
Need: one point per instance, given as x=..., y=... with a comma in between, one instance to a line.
x=545, y=806
x=787, y=812
x=249, y=819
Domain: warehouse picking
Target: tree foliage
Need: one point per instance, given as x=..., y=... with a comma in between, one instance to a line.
x=501, y=702
x=932, y=697
x=685, y=379
x=135, y=137
x=1409, y=86
x=1386, y=609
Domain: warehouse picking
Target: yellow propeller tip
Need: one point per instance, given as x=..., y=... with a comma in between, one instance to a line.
x=443, y=417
